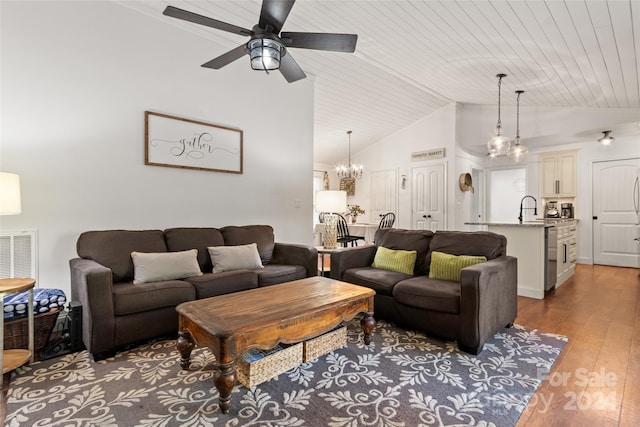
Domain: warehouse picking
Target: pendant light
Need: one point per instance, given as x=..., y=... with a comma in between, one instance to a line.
x=499, y=144
x=606, y=138
x=517, y=152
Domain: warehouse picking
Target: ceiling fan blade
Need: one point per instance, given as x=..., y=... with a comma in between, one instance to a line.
x=321, y=41
x=185, y=15
x=226, y=58
x=274, y=13
x=290, y=68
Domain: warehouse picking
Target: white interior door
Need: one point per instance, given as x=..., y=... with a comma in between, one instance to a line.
x=384, y=194
x=614, y=216
x=428, y=197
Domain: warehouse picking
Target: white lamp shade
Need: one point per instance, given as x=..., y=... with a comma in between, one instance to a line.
x=10, y=203
x=331, y=201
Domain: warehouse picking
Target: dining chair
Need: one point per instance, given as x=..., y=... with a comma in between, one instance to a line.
x=387, y=220
x=344, y=238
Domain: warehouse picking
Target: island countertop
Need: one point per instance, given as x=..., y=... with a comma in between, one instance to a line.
x=546, y=222
x=527, y=241
x=516, y=224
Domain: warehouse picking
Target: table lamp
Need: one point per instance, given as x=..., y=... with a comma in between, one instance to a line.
x=10, y=194
x=331, y=202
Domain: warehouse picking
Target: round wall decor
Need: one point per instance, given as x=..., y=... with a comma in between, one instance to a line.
x=465, y=181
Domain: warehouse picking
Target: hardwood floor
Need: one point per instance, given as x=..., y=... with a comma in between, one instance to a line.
x=595, y=381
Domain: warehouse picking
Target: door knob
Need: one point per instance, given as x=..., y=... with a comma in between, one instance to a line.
x=426, y=216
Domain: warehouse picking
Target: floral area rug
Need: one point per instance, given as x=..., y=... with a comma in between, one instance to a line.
x=402, y=379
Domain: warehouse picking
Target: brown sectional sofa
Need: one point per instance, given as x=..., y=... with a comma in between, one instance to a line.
x=116, y=312
x=469, y=311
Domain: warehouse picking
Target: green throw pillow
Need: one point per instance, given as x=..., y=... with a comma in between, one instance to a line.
x=395, y=260
x=448, y=267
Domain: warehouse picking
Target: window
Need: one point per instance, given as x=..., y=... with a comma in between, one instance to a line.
x=318, y=185
x=507, y=187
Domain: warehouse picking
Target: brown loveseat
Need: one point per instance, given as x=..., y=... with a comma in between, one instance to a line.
x=469, y=311
x=116, y=312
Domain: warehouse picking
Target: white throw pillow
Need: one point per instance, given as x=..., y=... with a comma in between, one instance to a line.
x=240, y=257
x=154, y=267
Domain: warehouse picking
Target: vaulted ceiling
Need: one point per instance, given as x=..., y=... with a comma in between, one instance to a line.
x=414, y=57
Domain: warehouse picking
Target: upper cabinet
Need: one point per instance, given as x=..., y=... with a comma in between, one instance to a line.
x=558, y=174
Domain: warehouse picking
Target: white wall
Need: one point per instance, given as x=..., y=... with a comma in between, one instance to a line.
x=394, y=153
x=76, y=80
x=466, y=163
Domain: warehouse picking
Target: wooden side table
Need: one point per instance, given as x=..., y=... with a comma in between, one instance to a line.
x=323, y=251
x=14, y=358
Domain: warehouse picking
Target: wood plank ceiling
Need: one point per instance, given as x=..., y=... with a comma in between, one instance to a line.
x=414, y=57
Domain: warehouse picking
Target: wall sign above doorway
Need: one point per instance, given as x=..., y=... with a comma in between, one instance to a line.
x=436, y=153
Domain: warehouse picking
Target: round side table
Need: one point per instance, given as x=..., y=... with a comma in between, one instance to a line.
x=14, y=358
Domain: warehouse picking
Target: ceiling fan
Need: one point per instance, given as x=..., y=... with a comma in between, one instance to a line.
x=267, y=46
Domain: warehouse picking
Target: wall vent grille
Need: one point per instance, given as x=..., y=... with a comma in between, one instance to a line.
x=18, y=254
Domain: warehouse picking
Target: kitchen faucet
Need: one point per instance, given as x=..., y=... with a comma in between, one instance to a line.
x=535, y=207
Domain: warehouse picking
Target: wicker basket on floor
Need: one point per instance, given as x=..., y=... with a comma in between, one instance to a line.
x=16, y=331
x=252, y=373
x=324, y=344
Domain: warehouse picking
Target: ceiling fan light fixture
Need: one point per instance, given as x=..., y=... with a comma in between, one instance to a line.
x=606, y=138
x=268, y=45
x=265, y=54
x=499, y=144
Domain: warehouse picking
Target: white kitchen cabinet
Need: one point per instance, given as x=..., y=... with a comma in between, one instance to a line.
x=558, y=174
x=566, y=250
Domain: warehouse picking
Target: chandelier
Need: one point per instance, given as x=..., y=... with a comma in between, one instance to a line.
x=499, y=144
x=350, y=170
x=518, y=152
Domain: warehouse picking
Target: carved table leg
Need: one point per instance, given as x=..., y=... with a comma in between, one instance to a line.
x=185, y=345
x=368, y=324
x=224, y=381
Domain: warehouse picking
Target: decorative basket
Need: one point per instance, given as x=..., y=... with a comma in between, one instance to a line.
x=16, y=331
x=324, y=344
x=257, y=366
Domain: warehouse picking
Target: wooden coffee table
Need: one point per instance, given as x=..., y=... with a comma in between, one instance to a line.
x=261, y=318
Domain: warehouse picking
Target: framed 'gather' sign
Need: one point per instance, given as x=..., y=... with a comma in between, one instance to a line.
x=183, y=143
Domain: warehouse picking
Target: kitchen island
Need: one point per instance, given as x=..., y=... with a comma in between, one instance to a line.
x=534, y=244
